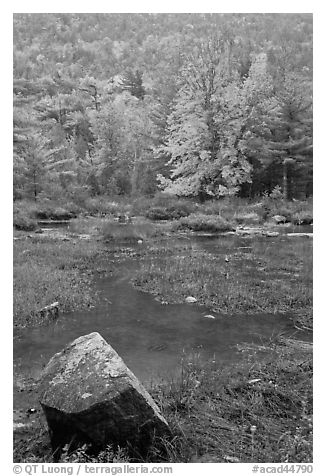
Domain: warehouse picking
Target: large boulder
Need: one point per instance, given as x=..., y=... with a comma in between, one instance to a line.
x=89, y=395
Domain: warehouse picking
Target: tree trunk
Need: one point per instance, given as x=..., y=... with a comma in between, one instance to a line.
x=285, y=181
x=35, y=188
x=134, y=175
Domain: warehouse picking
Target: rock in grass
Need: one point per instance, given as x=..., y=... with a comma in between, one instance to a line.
x=191, y=299
x=271, y=234
x=90, y=396
x=278, y=219
x=255, y=380
x=50, y=312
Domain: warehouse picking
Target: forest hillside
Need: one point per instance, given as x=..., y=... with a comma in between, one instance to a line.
x=197, y=105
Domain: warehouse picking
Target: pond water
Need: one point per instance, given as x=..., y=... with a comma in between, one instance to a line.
x=151, y=338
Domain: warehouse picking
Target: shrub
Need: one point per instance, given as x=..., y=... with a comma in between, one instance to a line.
x=169, y=208
x=200, y=222
x=302, y=218
x=74, y=208
x=180, y=209
x=98, y=206
x=158, y=213
x=105, y=206
x=61, y=214
x=296, y=211
x=229, y=207
x=24, y=215
x=276, y=193
x=50, y=211
x=23, y=222
x=277, y=207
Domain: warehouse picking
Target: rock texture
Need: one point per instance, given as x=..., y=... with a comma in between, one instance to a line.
x=191, y=299
x=278, y=219
x=90, y=395
x=50, y=312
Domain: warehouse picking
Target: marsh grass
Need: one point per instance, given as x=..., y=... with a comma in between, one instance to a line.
x=256, y=411
x=274, y=277
x=200, y=222
x=22, y=221
x=32, y=444
x=47, y=271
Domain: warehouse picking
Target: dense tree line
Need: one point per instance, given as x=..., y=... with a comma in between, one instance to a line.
x=202, y=105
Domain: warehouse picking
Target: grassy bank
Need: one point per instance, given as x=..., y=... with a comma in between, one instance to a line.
x=256, y=411
x=268, y=277
x=50, y=270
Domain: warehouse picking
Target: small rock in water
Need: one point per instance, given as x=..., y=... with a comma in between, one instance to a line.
x=209, y=316
x=309, y=235
x=191, y=299
x=271, y=234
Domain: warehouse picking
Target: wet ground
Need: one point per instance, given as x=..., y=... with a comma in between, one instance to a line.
x=152, y=338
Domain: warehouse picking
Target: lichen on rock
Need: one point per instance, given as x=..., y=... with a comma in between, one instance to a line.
x=90, y=395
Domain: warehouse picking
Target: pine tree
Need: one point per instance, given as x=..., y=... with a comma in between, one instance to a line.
x=277, y=132
x=292, y=141
x=133, y=82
